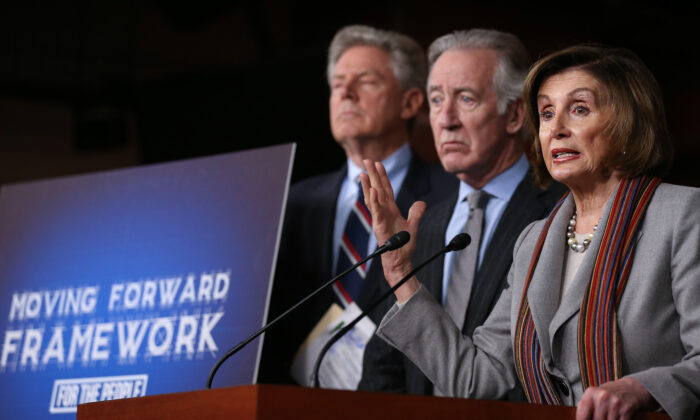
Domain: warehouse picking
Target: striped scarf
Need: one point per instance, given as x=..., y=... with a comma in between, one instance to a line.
x=599, y=346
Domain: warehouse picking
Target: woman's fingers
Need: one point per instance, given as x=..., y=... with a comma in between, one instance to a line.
x=386, y=217
x=384, y=178
x=375, y=180
x=364, y=181
x=415, y=213
x=387, y=220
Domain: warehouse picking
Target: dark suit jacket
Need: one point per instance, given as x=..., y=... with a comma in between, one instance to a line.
x=387, y=369
x=305, y=259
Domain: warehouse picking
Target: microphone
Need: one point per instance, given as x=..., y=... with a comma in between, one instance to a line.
x=457, y=243
x=396, y=241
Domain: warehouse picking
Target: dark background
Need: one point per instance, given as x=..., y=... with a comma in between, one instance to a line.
x=87, y=86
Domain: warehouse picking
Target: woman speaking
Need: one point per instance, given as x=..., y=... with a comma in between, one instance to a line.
x=603, y=305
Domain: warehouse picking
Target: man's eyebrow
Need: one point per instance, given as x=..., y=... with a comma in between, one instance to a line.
x=361, y=74
x=460, y=89
x=465, y=89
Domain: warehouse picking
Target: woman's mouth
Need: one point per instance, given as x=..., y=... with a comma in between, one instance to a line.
x=564, y=155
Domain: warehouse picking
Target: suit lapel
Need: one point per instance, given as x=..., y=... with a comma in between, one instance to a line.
x=524, y=206
x=432, y=236
x=543, y=293
x=414, y=186
x=327, y=199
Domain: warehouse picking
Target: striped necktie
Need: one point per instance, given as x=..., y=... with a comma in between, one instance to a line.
x=353, y=248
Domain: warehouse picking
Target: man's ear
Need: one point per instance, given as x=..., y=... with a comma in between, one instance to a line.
x=411, y=103
x=515, y=116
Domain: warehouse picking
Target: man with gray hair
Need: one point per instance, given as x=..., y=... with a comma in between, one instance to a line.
x=476, y=114
x=376, y=79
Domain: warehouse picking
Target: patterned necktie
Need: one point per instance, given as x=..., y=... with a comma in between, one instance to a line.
x=464, y=264
x=353, y=248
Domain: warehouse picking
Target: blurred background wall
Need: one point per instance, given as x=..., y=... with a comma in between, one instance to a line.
x=96, y=85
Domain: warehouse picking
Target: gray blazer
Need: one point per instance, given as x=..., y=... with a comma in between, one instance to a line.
x=658, y=316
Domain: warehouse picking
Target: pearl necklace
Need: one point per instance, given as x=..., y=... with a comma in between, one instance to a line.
x=571, y=238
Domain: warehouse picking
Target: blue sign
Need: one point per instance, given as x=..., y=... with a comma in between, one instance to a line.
x=134, y=282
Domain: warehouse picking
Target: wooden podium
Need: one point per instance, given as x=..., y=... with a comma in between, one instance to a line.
x=267, y=402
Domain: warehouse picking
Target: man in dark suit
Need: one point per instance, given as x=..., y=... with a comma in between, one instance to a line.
x=377, y=79
x=476, y=115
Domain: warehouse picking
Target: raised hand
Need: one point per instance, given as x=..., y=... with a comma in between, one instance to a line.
x=387, y=220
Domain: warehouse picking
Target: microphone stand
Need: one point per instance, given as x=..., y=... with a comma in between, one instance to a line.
x=394, y=242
